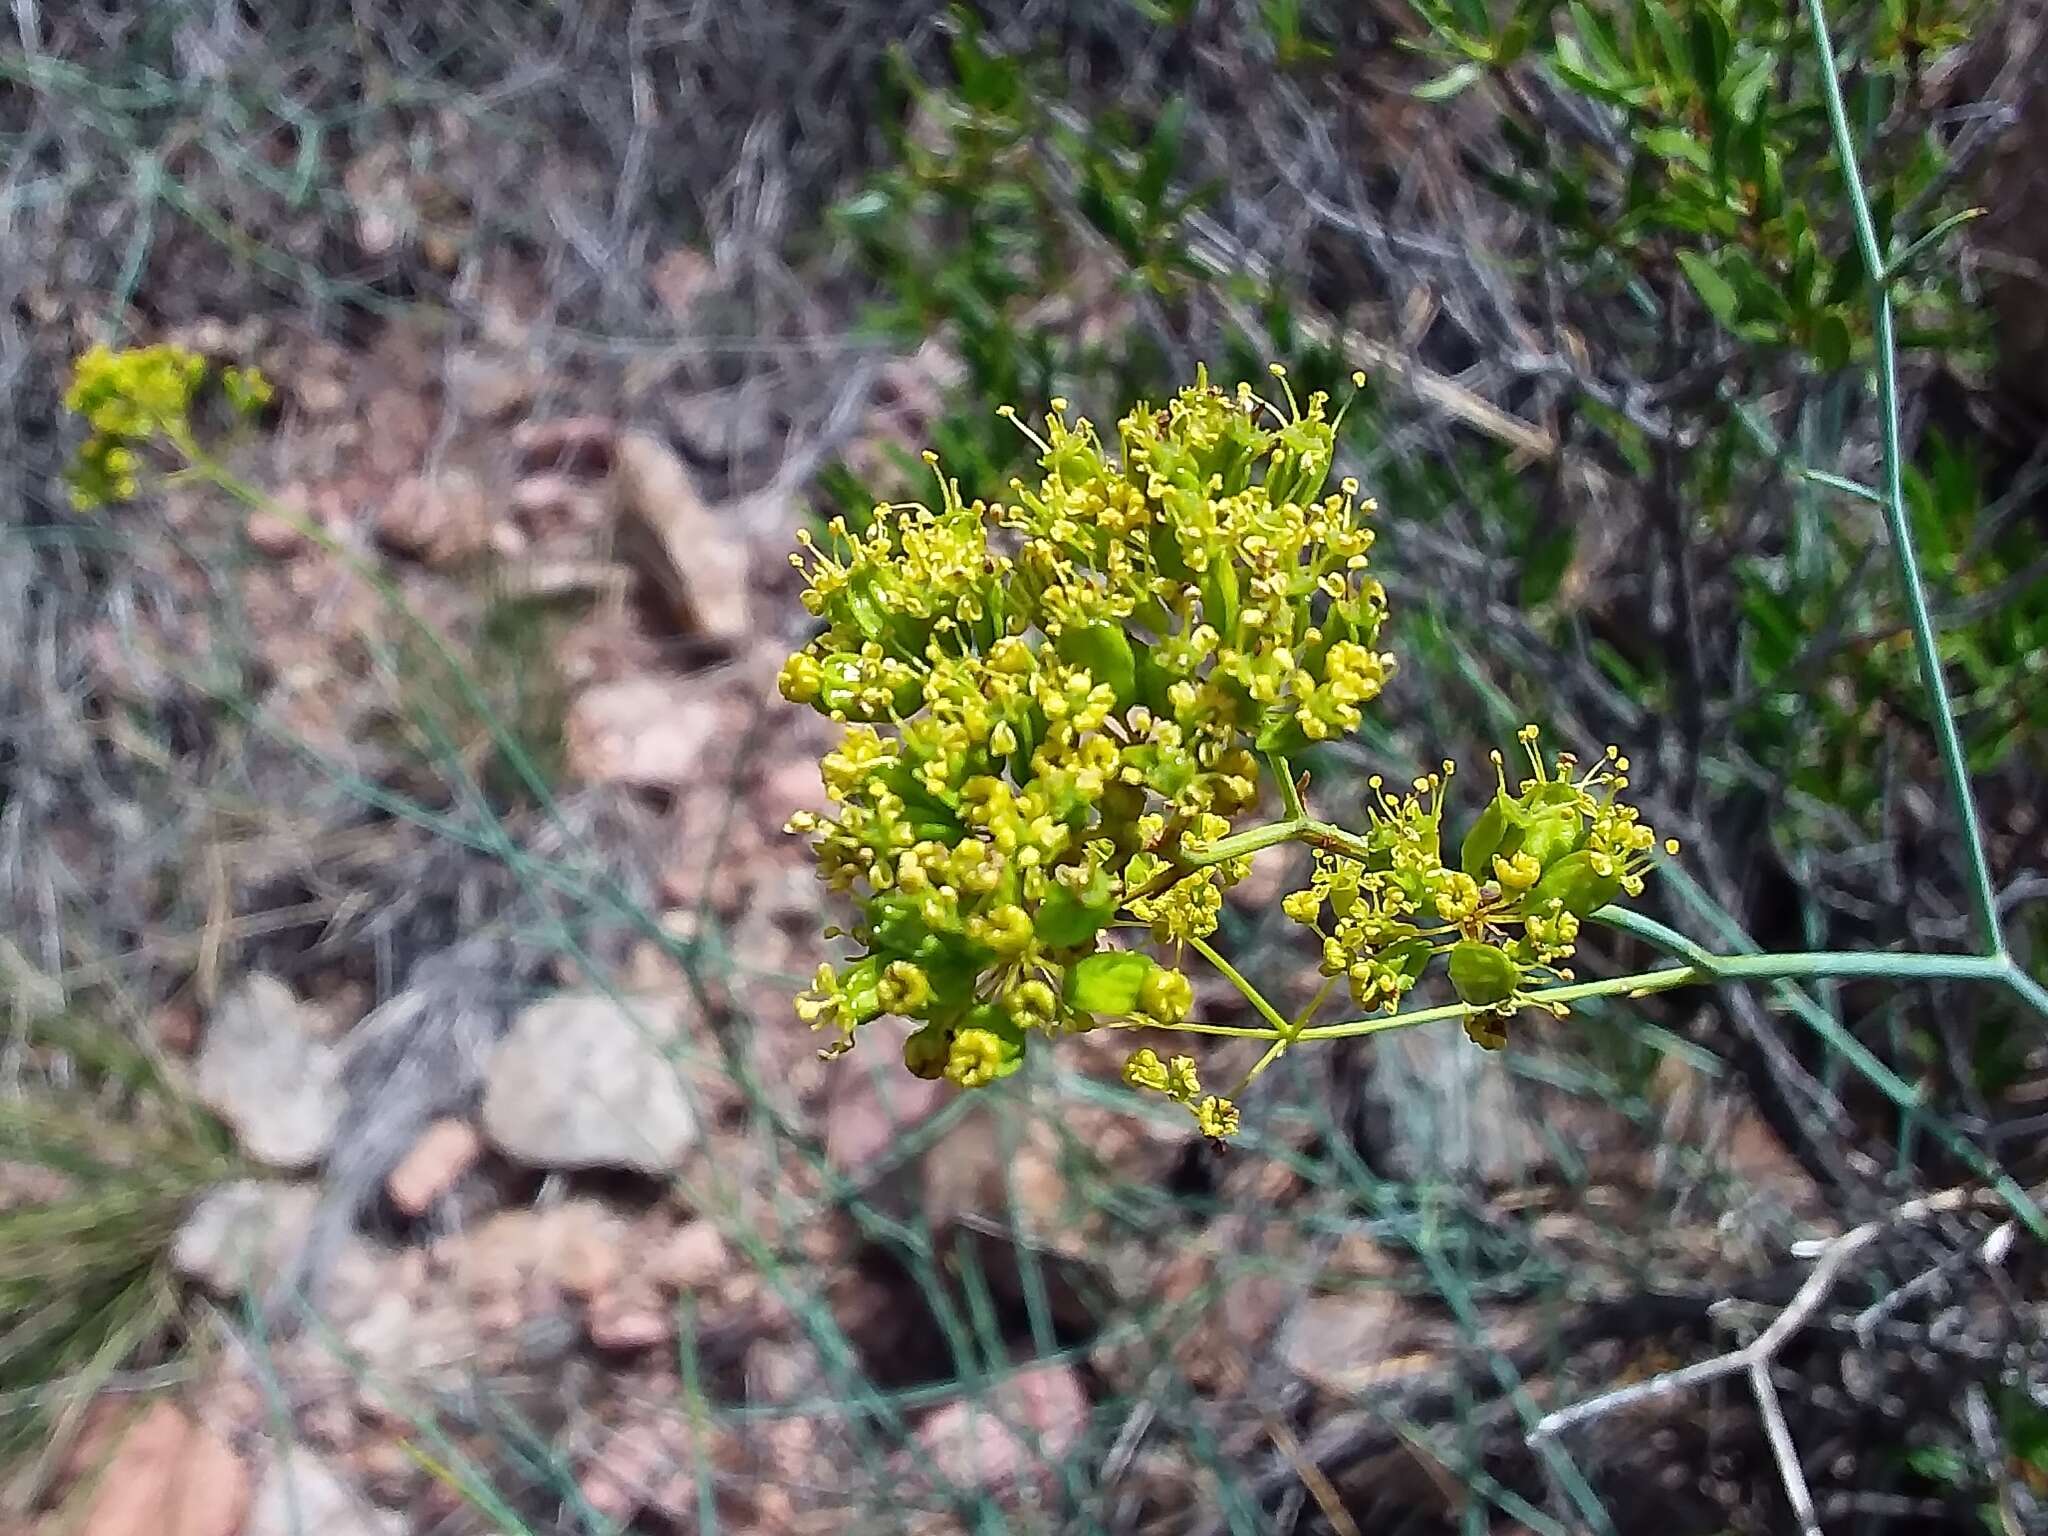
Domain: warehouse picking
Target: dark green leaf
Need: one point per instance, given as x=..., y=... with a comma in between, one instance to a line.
x=1105, y=650
x=1831, y=342
x=1708, y=36
x=1714, y=290
x=1475, y=854
x=1068, y=917
x=1677, y=144
x=1162, y=154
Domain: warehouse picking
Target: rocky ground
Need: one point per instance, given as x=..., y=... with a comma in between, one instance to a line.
x=610, y=1247
x=537, y=1210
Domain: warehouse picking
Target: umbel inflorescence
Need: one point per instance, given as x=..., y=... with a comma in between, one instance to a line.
x=1059, y=707
x=137, y=398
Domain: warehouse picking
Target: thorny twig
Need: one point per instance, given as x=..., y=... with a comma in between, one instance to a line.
x=1756, y=1358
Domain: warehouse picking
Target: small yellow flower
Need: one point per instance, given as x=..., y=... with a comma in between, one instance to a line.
x=1217, y=1117
x=1146, y=1070
x=975, y=1058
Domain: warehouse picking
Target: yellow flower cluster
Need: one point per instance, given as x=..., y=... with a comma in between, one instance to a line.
x=1507, y=914
x=132, y=398
x=1053, y=701
x=1177, y=1080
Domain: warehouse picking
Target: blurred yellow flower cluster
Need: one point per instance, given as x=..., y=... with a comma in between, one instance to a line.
x=136, y=396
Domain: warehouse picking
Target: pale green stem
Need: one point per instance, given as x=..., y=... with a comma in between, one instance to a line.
x=1273, y=1053
x=1287, y=1037
x=1295, y=829
x=1196, y=1027
x=1831, y=963
x=1982, y=897
x=1283, y=1032
x=1290, y=792
x=1251, y=993
x=1996, y=966
x=1300, y=1020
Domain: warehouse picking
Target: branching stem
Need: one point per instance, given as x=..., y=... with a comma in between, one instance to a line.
x=1698, y=965
x=1983, y=901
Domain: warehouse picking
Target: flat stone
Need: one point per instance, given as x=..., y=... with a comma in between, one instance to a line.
x=689, y=555
x=168, y=1477
x=241, y=1235
x=646, y=731
x=1032, y=1419
x=490, y=387
x=628, y=1319
x=871, y=1109
x=581, y=1081
x=437, y=518
x=692, y=1257
x=301, y=1495
x=1348, y=1342
x=264, y=1070
x=445, y=1151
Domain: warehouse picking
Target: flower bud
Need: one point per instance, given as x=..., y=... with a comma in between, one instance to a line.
x=926, y=1052
x=1481, y=974
x=1165, y=996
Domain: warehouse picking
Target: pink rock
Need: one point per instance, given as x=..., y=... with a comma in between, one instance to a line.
x=1033, y=1418
x=866, y=1116
x=582, y=1243
x=620, y=1479
x=551, y=501
x=273, y=535
x=571, y=442
x=679, y=279
x=653, y=732
x=790, y=785
x=445, y=1151
x=627, y=1320
x=437, y=518
x=694, y=1256
x=490, y=387
x=169, y=1477
x=690, y=555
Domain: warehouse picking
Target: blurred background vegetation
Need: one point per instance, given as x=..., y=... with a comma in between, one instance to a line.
x=530, y=277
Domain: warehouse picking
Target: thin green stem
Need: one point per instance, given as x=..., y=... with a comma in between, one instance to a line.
x=1251, y=993
x=1197, y=1027
x=1300, y=1020
x=2030, y=991
x=1273, y=1054
x=1637, y=984
x=1295, y=829
x=1290, y=1033
x=1290, y=792
x=1843, y=484
x=1268, y=834
x=1712, y=967
x=1834, y=964
x=1982, y=898
x=1706, y=968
